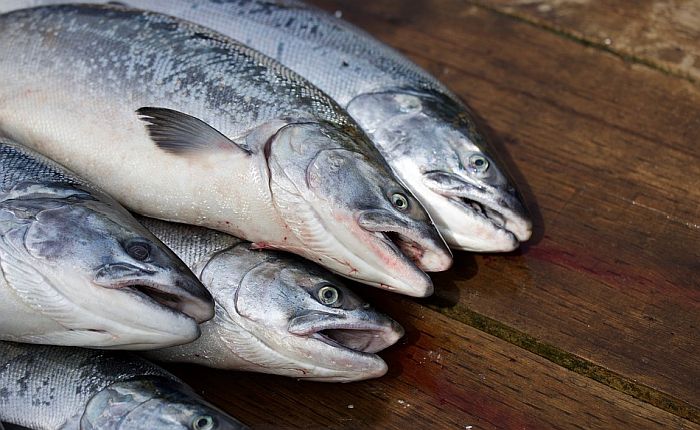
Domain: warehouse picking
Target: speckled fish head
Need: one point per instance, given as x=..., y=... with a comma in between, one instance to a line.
x=153, y=403
x=312, y=322
x=434, y=147
x=378, y=227
x=95, y=253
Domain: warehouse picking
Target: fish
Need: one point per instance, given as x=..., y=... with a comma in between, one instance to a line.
x=67, y=249
x=275, y=313
x=53, y=387
x=425, y=132
x=183, y=124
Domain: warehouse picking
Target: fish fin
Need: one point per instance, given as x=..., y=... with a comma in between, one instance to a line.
x=178, y=133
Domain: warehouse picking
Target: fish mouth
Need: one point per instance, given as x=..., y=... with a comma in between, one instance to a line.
x=363, y=338
x=185, y=296
x=173, y=299
x=426, y=249
x=360, y=338
x=501, y=210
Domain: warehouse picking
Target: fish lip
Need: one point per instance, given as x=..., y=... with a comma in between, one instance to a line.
x=172, y=298
x=423, y=252
x=378, y=336
x=510, y=218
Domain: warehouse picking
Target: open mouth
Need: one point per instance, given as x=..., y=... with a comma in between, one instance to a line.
x=159, y=296
x=479, y=209
x=163, y=296
x=357, y=340
x=402, y=244
x=365, y=339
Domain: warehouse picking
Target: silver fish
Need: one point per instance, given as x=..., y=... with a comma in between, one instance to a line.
x=67, y=250
x=52, y=388
x=275, y=313
x=183, y=124
x=423, y=130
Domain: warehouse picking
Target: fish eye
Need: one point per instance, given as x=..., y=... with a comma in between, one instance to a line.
x=328, y=295
x=399, y=201
x=478, y=163
x=139, y=250
x=203, y=422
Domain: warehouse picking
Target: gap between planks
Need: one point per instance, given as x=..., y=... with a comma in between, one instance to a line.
x=571, y=362
x=583, y=40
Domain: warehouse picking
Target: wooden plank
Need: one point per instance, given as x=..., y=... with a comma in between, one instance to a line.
x=610, y=156
x=664, y=34
x=444, y=375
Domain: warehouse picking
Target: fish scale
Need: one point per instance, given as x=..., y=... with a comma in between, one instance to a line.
x=20, y=165
x=44, y=387
x=60, y=241
x=212, y=133
x=423, y=130
x=194, y=245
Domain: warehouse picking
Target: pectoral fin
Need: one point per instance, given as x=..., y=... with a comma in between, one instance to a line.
x=179, y=133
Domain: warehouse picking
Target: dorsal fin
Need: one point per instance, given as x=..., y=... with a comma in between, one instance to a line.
x=178, y=133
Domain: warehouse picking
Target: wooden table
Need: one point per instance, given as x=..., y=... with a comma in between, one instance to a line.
x=595, y=322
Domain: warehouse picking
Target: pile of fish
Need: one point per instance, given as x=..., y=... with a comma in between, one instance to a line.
x=161, y=161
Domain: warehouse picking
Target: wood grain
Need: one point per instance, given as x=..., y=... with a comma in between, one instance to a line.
x=608, y=289
x=608, y=151
x=452, y=377
x=661, y=33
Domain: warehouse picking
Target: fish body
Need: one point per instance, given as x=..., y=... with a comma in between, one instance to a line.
x=52, y=388
x=424, y=131
x=67, y=248
x=275, y=313
x=187, y=125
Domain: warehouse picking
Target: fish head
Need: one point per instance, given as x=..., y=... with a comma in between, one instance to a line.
x=98, y=254
x=153, y=403
x=431, y=142
x=364, y=223
x=306, y=323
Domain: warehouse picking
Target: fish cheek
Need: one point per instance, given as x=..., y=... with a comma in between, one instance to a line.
x=257, y=297
x=108, y=408
x=61, y=232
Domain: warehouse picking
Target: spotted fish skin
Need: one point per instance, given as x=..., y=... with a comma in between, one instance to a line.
x=259, y=296
x=59, y=388
x=214, y=134
x=425, y=132
x=60, y=241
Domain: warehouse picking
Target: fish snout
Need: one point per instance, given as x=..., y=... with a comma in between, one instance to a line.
x=177, y=289
x=517, y=217
x=195, y=300
x=363, y=330
x=419, y=240
x=501, y=206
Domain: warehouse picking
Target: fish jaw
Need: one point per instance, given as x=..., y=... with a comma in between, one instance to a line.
x=367, y=335
x=496, y=216
x=375, y=259
x=180, y=292
x=425, y=247
x=132, y=320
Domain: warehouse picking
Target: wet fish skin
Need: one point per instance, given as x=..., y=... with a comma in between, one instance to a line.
x=52, y=388
x=423, y=130
x=290, y=170
x=270, y=316
x=66, y=249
